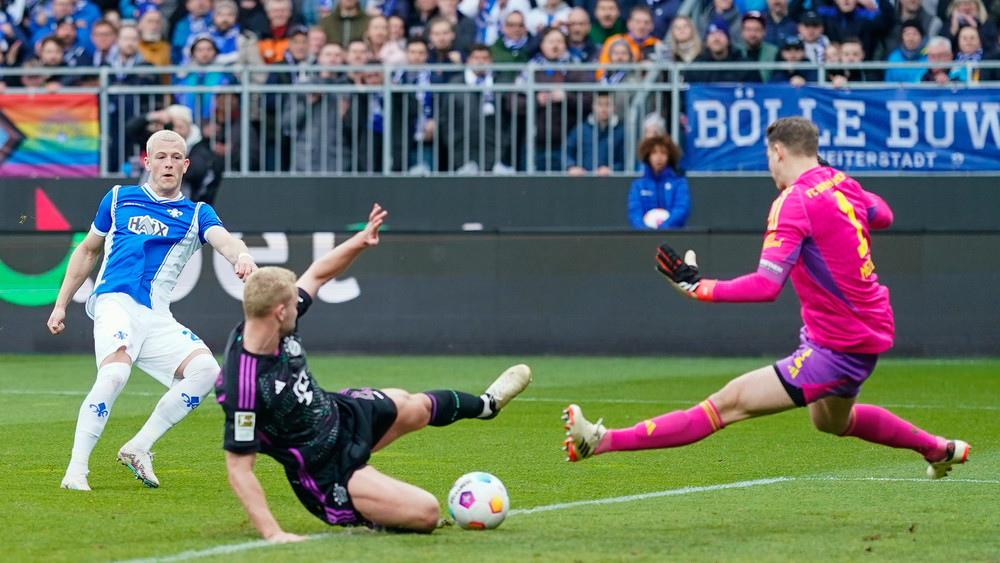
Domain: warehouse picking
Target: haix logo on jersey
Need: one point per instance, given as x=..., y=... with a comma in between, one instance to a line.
x=146, y=225
x=301, y=388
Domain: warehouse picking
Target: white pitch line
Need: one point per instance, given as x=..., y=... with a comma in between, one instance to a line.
x=643, y=496
x=544, y=400
x=695, y=402
x=237, y=547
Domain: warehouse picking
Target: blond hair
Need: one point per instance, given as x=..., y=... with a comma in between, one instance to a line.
x=266, y=288
x=165, y=136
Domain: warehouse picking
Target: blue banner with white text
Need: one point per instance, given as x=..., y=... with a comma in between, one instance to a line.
x=892, y=129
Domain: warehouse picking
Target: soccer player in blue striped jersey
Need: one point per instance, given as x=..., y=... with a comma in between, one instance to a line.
x=147, y=233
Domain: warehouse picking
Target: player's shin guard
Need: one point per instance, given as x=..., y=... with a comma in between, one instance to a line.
x=670, y=430
x=182, y=398
x=875, y=424
x=448, y=405
x=90, y=423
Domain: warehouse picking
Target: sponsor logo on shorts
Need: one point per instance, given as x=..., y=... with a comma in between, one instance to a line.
x=339, y=494
x=99, y=409
x=796, y=366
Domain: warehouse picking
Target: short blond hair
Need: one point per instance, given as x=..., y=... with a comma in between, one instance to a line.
x=165, y=136
x=266, y=288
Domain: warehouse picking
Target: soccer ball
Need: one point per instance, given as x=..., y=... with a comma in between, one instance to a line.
x=655, y=217
x=478, y=501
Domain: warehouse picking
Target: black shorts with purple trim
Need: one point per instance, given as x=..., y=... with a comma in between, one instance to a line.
x=365, y=416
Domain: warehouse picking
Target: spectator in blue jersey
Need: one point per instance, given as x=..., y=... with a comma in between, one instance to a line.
x=46, y=17
x=780, y=24
x=195, y=23
x=273, y=405
x=598, y=143
x=870, y=21
x=660, y=198
x=148, y=233
x=203, y=52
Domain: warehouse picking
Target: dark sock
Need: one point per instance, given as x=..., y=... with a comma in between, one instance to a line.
x=448, y=405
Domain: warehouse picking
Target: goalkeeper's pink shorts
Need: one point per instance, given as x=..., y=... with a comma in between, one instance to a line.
x=815, y=371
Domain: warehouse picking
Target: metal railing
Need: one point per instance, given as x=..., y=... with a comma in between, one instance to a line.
x=318, y=123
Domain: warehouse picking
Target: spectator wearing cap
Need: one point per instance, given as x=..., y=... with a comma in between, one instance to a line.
x=793, y=54
x=203, y=53
x=814, y=40
x=912, y=10
x=754, y=47
x=910, y=50
x=780, y=24
x=718, y=50
x=850, y=18
x=725, y=11
x=196, y=22
x=639, y=38
x=152, y=45
x=347, y=22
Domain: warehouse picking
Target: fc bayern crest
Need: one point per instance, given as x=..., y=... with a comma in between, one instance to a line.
x=293, y=347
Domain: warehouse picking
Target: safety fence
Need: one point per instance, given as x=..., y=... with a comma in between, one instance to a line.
x=429, y=120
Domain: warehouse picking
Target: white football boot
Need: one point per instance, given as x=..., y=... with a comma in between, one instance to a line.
x=141, y=463
x=510, y=384
x=582, y=436
x=75, y=481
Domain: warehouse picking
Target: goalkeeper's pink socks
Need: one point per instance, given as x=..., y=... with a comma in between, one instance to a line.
x=875, y=424
x=677, y=428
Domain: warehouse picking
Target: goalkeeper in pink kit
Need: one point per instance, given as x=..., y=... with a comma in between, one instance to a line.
x=817, y=235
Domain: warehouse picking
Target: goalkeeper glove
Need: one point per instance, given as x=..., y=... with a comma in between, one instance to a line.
x=683, y=274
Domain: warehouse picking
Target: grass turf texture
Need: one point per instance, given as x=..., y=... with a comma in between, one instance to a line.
x=842, y=499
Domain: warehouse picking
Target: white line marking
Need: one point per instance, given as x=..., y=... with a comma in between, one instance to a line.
x=669, y=493
x=237, y=547
x=545, y=400
x=692, y=403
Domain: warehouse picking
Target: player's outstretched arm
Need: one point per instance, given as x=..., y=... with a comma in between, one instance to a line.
x=251, y=495
x=683, y=274
x=336, y=261
x=81, y=262
x=232, y=249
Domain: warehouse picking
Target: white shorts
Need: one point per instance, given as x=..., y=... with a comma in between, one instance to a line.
x=156, y=342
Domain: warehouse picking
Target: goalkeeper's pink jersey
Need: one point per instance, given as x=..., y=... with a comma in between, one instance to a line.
x=818, y=231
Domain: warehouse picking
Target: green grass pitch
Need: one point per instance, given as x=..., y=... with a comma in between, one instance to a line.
x=771, y=489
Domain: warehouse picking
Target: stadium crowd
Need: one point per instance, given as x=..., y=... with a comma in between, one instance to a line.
x=576, y=131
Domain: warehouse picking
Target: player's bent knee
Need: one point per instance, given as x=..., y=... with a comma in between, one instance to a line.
x=829, y=426
x=202, y=369
x=428, y=515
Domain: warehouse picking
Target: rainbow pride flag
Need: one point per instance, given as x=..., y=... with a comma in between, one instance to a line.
x=49, y=136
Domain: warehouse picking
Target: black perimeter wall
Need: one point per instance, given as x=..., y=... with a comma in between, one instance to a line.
x=554, y=270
